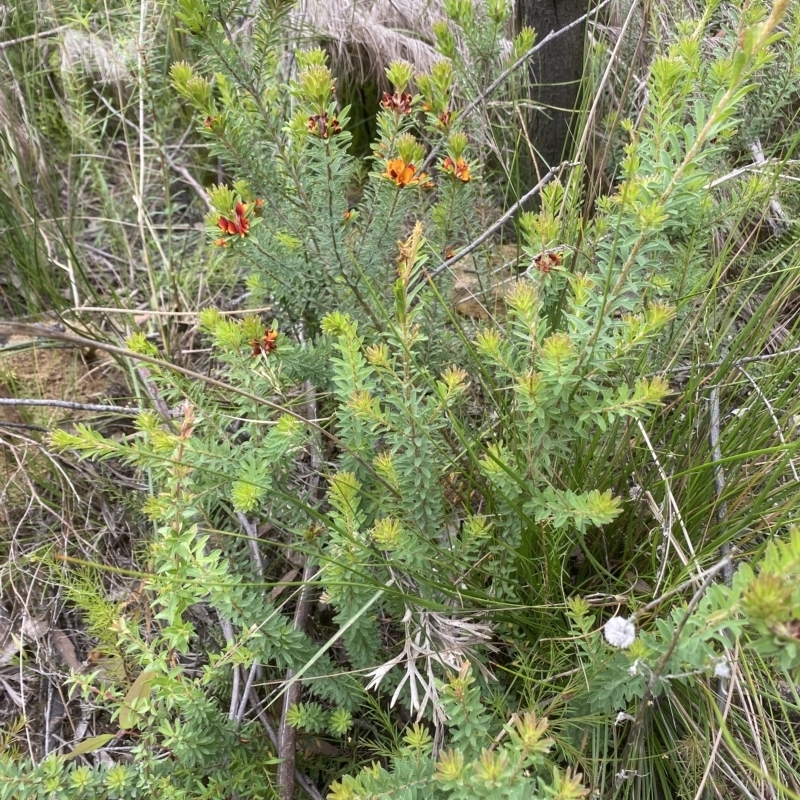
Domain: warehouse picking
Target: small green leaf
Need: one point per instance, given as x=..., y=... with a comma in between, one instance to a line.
x=90, y=745
x=141, y=688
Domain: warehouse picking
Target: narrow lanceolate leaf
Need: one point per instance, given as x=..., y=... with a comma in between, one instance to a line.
x=141, y=688
x=90, y=745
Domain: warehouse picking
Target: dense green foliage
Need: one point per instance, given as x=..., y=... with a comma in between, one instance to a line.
x=461, y=503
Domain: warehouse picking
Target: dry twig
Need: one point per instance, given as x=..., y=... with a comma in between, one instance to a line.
x=719, y=476
x=27, y=401
x=757, y=390
x=673, y=502
x=495, y=226
x=32, y=37
x=637, y=726
x=41, y=331
x=287, y=735
x=302, y=781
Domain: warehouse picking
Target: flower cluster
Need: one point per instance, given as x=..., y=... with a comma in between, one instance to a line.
x=405, y=174
x=240, y=224
x=266, y=344
x=458, y=168
x=544, y=262
x=399, y=102
x=323, y=127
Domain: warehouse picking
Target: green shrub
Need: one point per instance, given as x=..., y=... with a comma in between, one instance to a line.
x=435, y=477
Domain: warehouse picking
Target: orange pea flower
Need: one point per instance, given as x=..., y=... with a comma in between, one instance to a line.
x=239, y=225
x=459, y=169
x=266, y=344
x=405, y=174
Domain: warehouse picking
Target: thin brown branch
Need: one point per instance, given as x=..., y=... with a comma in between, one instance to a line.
x=33, y=37
x=171, y=163
x=240, y=712
x=645, y=703
x=28, y=401
x=495, y=226
x=143, y=312
x=43, y=332
x=230, y=642
x=251, y=530
x=708, y=574
x=724, y=687
x=717, y=738
x=287, y=735
x=24, y=426
x=719, y=478
x=765, y=400
x=302, y=781
x=721, y=362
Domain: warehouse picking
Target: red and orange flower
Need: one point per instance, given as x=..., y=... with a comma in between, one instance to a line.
x=266, y=344
x=322, y=126
x=544, y=262
x=404, y=174
x=399, y=102
x=240, y=224
x=458, y=169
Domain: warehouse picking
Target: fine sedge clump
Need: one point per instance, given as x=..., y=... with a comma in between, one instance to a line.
x=405, y=466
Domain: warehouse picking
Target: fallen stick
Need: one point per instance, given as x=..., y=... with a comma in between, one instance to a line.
x=27, y=401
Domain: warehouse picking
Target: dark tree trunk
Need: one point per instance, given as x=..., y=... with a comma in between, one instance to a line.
x=556, y=72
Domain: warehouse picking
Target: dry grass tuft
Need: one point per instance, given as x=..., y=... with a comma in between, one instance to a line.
x=365, y=36
x=108, y=62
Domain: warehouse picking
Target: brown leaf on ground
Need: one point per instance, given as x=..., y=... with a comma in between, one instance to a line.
x=65, y=649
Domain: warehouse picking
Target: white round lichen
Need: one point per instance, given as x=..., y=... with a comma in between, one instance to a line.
x=722, y=669
x=620, y=632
